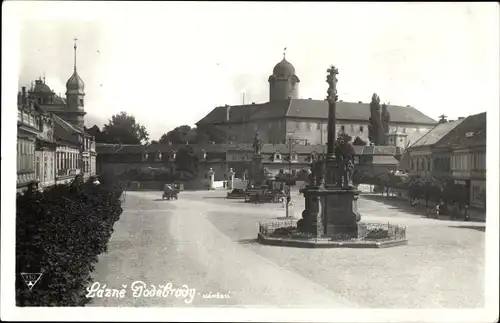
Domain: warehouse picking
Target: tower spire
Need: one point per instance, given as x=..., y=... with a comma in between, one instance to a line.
x=74, y=66
x=284, y=53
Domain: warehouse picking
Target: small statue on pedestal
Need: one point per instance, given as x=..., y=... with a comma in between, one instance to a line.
x=320, y=166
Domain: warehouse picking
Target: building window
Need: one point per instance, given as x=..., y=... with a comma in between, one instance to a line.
x=361, y=129
x=403, y=130
x=342, y=128
x=255, y=127
x=318, y=126
x=297, y=125
x=308, y=126
x=277, y=155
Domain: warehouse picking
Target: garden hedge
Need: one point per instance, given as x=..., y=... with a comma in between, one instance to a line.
x=60, y=232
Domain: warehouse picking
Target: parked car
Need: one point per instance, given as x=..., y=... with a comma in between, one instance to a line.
x=237, y=193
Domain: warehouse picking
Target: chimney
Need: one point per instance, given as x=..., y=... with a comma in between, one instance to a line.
x=253, y=102
x=360, y=102
x=309, y=99
x=461, y=118
x=23, y=97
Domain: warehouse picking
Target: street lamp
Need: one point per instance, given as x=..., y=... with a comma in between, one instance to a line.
x=290, y=142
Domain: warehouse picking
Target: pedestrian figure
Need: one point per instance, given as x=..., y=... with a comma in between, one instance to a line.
x=438, y=207
x=456, y=210
x=466, y=212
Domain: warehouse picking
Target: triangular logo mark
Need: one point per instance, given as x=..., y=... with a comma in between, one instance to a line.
x=31, y=279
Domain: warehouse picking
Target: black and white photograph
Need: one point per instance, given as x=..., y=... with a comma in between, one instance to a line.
x=250, y=161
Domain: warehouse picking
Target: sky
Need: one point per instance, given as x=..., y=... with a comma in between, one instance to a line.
x=170, y=64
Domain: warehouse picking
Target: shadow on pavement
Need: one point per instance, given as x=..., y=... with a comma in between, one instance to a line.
x=248, y=241
x=481, y=228
x=404, y=205
x=395, y=204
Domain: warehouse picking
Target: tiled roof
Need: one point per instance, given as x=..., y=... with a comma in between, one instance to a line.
x=64, y=131
x=244, y=113
x=67, y=126
x=470, y=132
x=385, y=160
x=118, y=148
x=435, y=134
x=316, y=109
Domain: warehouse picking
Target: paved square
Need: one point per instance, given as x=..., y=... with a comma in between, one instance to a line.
x=209, y=243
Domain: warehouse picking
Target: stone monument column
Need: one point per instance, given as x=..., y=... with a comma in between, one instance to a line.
x=331, y=209
x=211, y=176
x=331, y=163
x=231, y=179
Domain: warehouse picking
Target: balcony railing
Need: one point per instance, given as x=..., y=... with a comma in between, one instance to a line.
x=68, y=172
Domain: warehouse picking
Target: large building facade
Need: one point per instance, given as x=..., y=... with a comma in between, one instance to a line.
x=455, y=150
x=287, y=115
x=52, y=146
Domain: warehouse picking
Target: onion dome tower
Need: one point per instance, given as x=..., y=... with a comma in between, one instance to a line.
x=75, y=97
x=283, y=83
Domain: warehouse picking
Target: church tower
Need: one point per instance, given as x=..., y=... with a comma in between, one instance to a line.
x=283, y=83
x=75, y=97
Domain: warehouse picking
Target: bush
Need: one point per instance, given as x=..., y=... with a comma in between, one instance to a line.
x=377, y=234
x=60, y=233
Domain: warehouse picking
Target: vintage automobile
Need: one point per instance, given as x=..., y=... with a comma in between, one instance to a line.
x=270, y=196
x=170, y=192
x=237, y=193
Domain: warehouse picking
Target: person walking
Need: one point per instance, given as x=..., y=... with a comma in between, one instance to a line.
x=466, y=212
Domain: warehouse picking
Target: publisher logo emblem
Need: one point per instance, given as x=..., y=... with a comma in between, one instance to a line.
x=30, y=279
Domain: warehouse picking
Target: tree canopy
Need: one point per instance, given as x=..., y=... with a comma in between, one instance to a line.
x=180, y=135
x=122, y=128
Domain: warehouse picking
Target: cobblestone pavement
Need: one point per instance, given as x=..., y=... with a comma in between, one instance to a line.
x=208, y=243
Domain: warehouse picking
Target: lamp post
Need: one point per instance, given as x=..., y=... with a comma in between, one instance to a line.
x=291, y=142
x=211, y=174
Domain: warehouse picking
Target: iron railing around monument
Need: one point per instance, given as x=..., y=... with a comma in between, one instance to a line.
x=367, y=232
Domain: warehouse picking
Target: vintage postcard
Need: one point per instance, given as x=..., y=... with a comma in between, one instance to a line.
x=250, y=161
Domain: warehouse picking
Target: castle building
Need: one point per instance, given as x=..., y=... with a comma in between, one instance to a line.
x=53, y=146
x=286, y=114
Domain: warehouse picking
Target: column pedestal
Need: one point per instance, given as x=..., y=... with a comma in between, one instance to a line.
x=330, y=211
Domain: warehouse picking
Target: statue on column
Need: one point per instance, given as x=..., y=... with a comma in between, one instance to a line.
x=312, y=174
x=257, y=144
x=332, y=80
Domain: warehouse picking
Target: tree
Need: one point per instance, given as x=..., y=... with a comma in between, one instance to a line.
x=123, y=129
x=379, y=122
x=416, y=188
x=386, y=119
x=180, y=135
x=375, y=121
x=186, y=164
x=359, y=142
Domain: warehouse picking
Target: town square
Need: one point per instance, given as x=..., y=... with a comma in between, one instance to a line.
x=166, y=163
